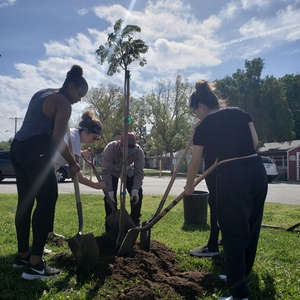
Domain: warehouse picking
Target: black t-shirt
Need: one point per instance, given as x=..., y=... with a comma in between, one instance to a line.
x=225, y=134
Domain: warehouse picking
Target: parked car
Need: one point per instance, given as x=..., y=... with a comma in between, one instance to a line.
x=6, y=168
x=270, y=167
x=63, y=173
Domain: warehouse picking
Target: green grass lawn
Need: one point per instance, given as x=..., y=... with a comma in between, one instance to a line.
x=276, y=274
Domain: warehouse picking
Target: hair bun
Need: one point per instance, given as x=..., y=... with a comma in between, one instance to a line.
x=200, y=85
x=87, y=115
x=75, y=71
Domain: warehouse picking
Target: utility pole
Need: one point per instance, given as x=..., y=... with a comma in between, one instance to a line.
x=16, y=123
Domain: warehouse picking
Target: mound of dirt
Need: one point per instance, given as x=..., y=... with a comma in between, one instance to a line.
x=150, y=275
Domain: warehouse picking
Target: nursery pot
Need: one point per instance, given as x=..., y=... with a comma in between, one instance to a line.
x=195, y=208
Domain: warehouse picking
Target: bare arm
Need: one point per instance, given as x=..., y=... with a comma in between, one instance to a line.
x=193, y=169
x=58, y=107
x=254, y=134
x=90, y=183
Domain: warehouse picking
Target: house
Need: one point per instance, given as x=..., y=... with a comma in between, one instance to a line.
x=286, y=156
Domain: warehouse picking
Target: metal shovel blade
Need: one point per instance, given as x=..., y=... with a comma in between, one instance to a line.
x=85, y=250
x=128, y=242
x=145, y=238
x=113, y=221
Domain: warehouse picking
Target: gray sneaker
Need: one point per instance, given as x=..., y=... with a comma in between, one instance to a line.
x=39, y=271
x=204, y=252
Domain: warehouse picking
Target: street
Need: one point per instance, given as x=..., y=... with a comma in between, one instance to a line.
x=278, y=192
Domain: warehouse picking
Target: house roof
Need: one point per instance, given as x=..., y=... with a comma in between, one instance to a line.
x=286, y=146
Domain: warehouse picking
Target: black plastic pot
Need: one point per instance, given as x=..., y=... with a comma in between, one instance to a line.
x=195, y=208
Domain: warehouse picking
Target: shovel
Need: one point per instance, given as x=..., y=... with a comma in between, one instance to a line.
x=83, y=246
x=113, y=218
x=279, y=227
x=132, y=234
x=145, y=235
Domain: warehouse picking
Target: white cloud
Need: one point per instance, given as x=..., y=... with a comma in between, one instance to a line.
x=249, y=4
x=178, y=39
x=230, y=11
x=5, y=3
x=82, y=12
x=253, y=27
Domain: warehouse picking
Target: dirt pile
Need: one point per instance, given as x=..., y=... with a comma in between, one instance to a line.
x=149, y=275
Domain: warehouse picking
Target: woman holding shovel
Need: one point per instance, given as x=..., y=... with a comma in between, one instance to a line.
x=241, y=181
x=31, y=152
x=88, y=132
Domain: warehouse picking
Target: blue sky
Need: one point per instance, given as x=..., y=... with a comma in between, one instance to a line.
x=41, y=40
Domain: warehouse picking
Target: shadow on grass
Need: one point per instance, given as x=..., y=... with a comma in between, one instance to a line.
x=194, y=227
x=254, y=282
x=268, y=292
x=73, y=278
x=13, y=286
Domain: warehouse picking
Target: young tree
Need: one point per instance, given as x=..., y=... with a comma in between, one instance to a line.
x=120, y=51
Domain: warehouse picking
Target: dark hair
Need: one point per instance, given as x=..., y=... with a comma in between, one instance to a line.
x=90, y=123
x=204, y=93
x=75, y=76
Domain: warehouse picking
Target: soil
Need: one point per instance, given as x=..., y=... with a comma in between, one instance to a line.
x=149, y=275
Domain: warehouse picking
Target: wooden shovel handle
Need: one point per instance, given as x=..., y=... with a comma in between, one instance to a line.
x=76, y=188
x=164, y=198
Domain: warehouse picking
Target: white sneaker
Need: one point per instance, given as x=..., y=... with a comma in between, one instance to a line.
x=204, y=252
x=223, y=277
x=47, y=251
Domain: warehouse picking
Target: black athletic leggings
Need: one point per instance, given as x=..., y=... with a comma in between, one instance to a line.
x=211, y=181
x=36, y=180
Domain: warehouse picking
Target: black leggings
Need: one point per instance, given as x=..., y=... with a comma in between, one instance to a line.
x=211, y=180
x=135, y=213
x=36, y=180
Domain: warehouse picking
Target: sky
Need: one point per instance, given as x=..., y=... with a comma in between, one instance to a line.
x=41, y=40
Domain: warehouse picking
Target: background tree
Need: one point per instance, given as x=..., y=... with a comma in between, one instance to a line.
x=169, y=115
x=106, y=102
x=263, y=99
x=276, y=123
x=291, y=85
x=6, y=145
